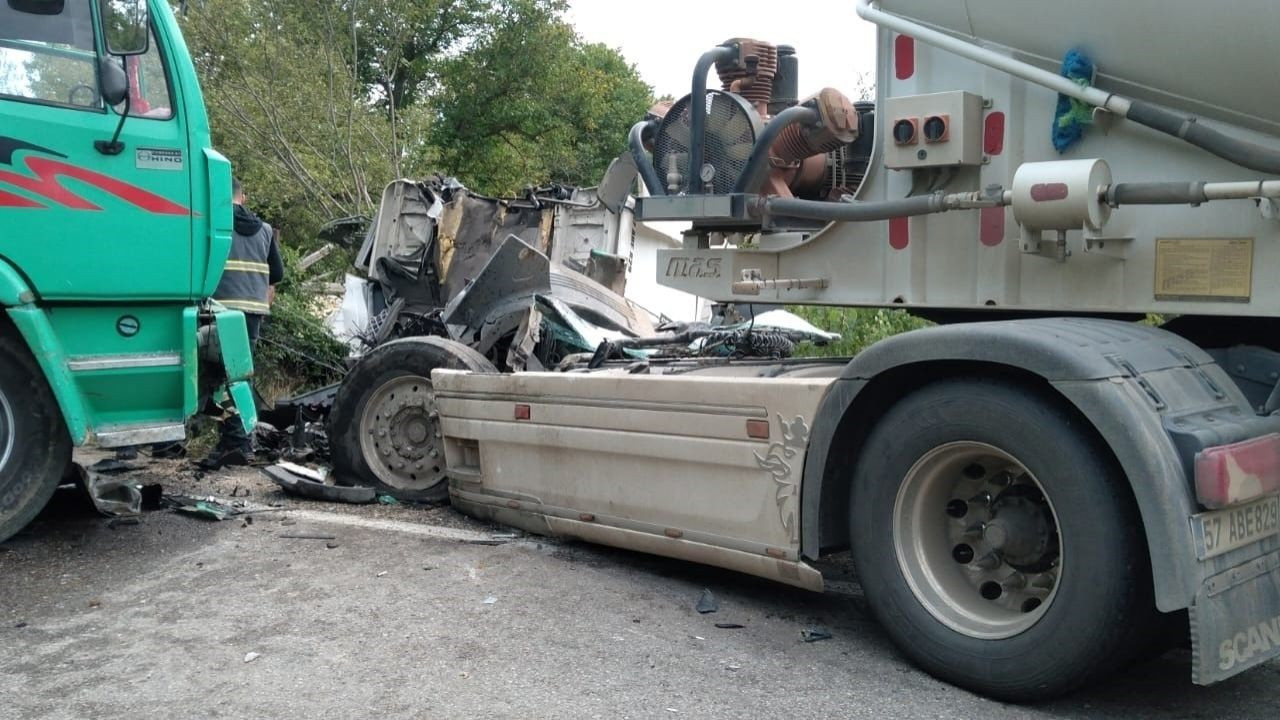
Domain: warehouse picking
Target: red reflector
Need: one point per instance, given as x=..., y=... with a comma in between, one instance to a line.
x=899, y=233
x=991, y=226
x=1237, y=473
x=523, y=412
x=993, y=134
x=758, y=429
x=904, y=57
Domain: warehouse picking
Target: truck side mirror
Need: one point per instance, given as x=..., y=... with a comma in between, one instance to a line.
x=113, y=83
x=124, y=26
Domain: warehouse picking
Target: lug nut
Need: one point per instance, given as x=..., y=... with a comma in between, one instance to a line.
x=983, y=498
x=990, y=561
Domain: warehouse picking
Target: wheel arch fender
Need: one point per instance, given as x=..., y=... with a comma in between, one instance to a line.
x=32, y=324
x=1086, y=363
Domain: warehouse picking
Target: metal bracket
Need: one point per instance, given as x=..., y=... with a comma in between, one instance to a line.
x=1114, y=247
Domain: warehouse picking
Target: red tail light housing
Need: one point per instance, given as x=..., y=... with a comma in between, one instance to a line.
x=1237, y=473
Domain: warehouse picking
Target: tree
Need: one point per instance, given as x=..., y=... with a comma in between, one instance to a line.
x=529, y=102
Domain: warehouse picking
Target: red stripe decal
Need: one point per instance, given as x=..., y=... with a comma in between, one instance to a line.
x=904, y=56
x=8, y=199
x=991, y=226
x=993, y=134
x=899, y=233
x=46, y=183
x=1049, y=192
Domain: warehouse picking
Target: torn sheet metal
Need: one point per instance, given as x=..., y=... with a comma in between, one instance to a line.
x=501, y=292
x=112, y=495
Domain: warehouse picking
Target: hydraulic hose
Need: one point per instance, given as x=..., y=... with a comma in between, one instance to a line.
x=757, y=169
x=852, y=212
x=1156, y=193
x=635, y=140
x=1186, y=127
x=698, y=111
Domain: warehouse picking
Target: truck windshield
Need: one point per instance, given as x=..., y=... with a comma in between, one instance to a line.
x=47, y=52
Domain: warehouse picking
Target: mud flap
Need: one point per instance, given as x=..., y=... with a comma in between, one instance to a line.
x=242, y=397
x=1235, y=621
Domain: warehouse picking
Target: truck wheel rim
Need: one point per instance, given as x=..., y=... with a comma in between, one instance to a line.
x=7, y=430
x=977, y=540
x=400, y=435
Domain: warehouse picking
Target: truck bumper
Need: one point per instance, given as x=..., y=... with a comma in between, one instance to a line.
x=1235, y=620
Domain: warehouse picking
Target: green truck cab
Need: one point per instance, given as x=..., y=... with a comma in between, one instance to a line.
x=115, y=224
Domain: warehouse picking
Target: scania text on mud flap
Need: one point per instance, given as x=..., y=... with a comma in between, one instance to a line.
x=1039, y=490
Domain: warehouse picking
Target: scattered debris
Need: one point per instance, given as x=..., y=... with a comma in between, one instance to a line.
x=814, y=634
x=208, y=508
x=114, y=523
x=332, y=545
x=313, y=474
x=732, y=668
x=729, y=626
x=95, y=603
x=250, y=657
x=381, y=574
x=387, y=500
x=707, y=602
x=112, y=466
x=111, y=496
x=20, y=624
x=490, y=600
x=288, y=477
x=307, y=536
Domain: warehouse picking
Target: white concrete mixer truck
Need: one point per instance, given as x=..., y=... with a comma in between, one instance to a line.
x=1075, y=466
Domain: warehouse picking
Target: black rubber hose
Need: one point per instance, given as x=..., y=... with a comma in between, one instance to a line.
x=1241, y=152
x=757, y=169
x=698, y=111
x=1166, y=193
x=851, y=212
x=635, y=139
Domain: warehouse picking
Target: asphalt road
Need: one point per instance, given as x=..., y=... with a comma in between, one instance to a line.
x=408, y=616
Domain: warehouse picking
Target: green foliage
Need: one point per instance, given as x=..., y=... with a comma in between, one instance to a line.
x=529, y=102
x=295, y=350
x=859, y=328
x=320, y=103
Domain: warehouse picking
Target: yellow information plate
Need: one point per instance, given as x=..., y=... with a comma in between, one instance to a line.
x=1204, y=269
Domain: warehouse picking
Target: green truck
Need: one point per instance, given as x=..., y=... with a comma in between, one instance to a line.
x=115, y=224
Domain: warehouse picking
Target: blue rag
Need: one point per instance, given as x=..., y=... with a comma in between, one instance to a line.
x=1072, y=116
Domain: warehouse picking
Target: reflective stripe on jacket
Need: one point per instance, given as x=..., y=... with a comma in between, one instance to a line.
x=244, y=279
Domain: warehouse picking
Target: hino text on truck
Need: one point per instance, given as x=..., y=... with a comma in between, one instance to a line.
x=115, y=223
x=1037, y=491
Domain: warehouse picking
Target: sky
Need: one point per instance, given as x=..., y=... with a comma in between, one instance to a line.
x=663, y=38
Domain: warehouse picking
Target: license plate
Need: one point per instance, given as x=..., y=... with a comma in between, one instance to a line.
x=1222, y=531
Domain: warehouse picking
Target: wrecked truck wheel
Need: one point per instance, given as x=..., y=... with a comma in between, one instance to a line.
x=997, y=542
x=34, y=445
x=383, y=428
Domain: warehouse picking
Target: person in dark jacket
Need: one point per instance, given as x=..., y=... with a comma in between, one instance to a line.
x=248, y=284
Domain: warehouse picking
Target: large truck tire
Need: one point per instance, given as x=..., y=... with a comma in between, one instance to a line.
x=997, y=542
x=34, y=444
x=383, y=429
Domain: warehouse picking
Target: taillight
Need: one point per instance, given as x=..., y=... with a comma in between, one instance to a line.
x=1237, y=473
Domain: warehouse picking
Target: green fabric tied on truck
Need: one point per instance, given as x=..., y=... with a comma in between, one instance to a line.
x=242, y=396
x=233, y=343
